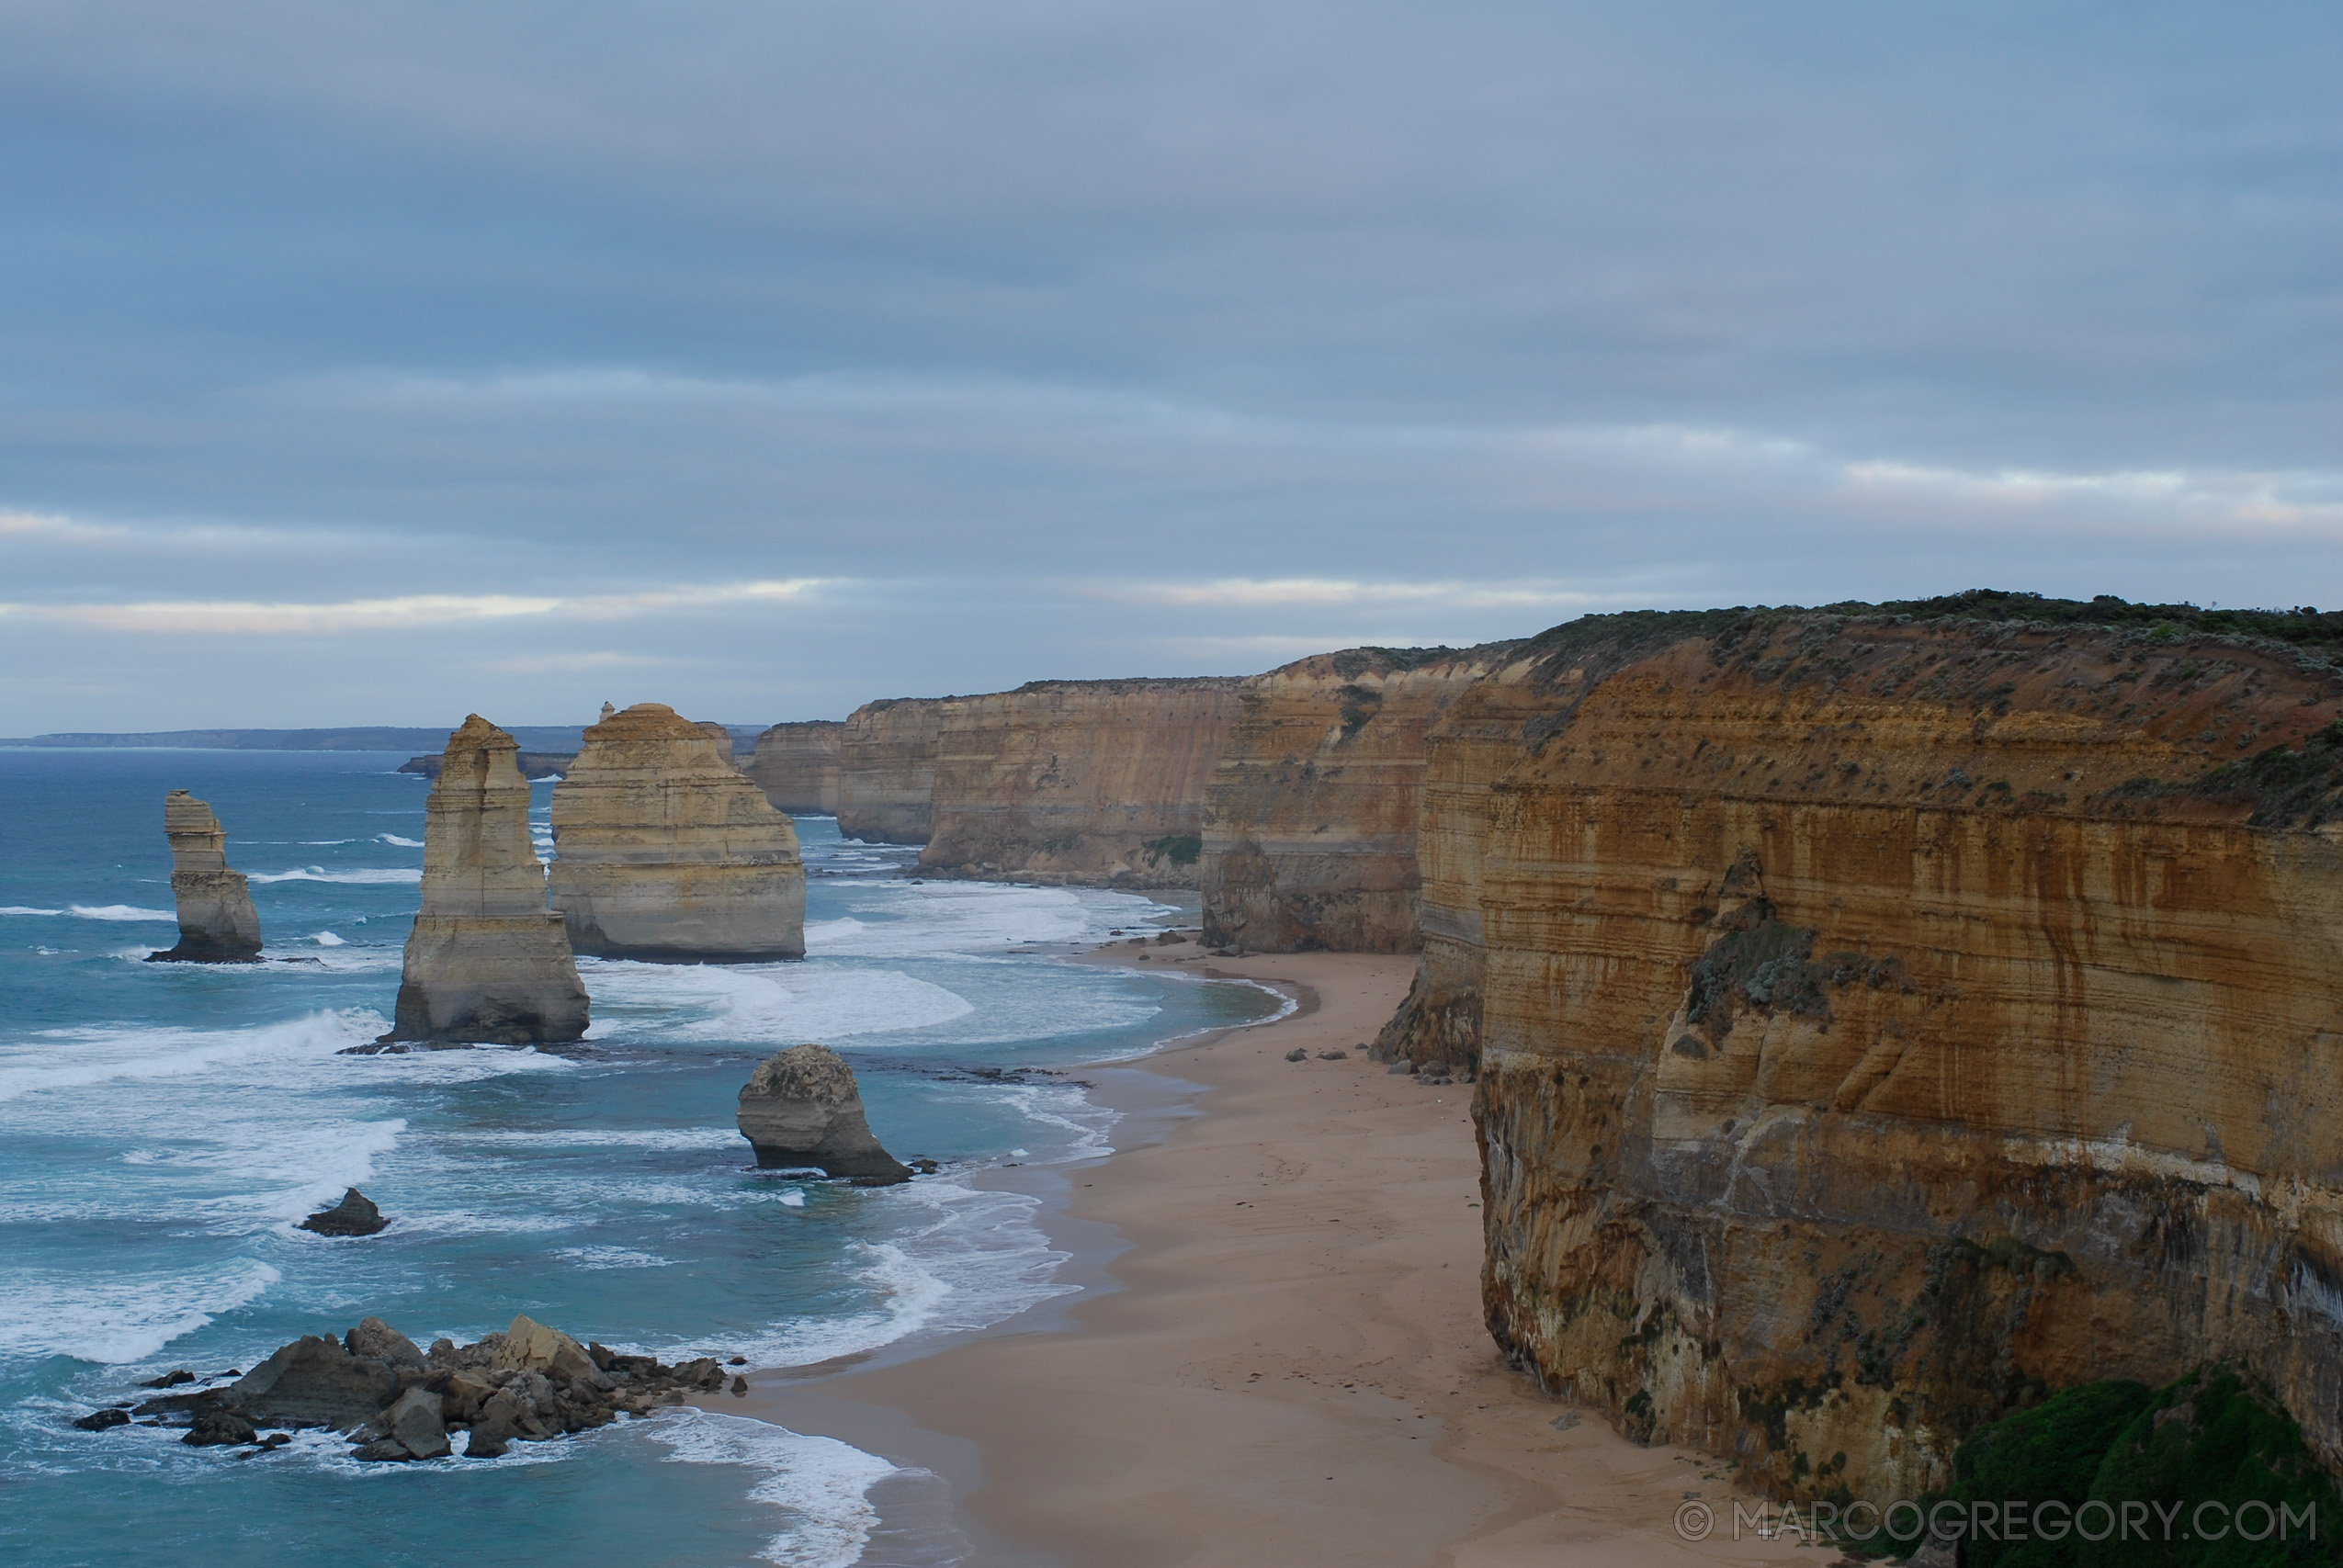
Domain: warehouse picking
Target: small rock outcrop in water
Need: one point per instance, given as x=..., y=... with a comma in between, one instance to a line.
x=353, y=1215
x=487, y=961
x=802, y=1109
x=217, y=922
x=395, y=1401
x=667, y=851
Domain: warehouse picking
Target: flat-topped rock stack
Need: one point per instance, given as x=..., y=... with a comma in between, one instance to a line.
x=803, y=1107
x=217, y=921
x=665, y=850
x=487, y=963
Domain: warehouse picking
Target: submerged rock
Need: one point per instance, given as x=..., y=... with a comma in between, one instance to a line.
x=487, y=961
x=802, y=1109
x=668, y=853
x=217, y=921
x=353, y=1215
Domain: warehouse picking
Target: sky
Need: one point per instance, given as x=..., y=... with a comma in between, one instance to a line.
x=384, y=363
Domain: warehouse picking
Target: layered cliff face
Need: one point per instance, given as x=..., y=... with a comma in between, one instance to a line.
x=1080, y=781
x=1310, y=818
x=217, y=921
x=797, y=766
x=487, y=961
x=666, y=851
x=886, y=770
x=1881, y=1024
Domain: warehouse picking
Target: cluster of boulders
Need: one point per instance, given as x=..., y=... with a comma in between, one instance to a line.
x=395, y=1401
x=1432, y=1075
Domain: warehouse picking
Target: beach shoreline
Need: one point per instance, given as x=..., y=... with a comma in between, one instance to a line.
x=1276, y=1354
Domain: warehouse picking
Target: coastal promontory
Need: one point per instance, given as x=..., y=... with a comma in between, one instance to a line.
x=217, y=921
x=487, y=961
x=665, y=850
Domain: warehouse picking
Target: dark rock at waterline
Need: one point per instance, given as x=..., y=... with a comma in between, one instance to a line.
x=802, y=1108
x=353, y=1215
x=313, y=1382
x=100, y=1420
x=170, y=1378
x=213, y=1428
x=376, y=1341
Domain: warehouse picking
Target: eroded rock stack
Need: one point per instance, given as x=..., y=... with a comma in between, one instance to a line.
x=217, y=921
x=665, y=850
x=886, y=770
x=487, y=961
x=802, y=1108
x=1885, y=1018
x=396, y=1403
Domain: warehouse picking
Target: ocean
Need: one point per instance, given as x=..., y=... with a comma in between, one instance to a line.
x=163, y=1127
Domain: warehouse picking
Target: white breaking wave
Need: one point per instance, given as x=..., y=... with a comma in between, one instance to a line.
x=761, y=1004
x=612, y=1258
x=394, y=838
x=362, y=875
x=327, y=939
x=120, y=912
x=820, y=1484
x=666, y=1138
x=115, y=1319
x=102, y=1055
x=23, y=909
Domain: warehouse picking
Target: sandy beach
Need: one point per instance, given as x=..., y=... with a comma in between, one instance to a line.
x=1288, y=1365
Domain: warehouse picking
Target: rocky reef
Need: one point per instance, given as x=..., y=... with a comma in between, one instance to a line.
x=665, y=850
x=801, y=1108
x=796, y=765
x=217, y=921
x=1078, y=780
x=886, y=770
x=394, y=1402
x=1310, y=818
x=1887, y=1017
x=487, y=961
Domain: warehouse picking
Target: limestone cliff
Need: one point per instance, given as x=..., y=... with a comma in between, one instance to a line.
x=1310, y=818
x=1078, y=780
x=487, y=961
x=217, y=921
x=665, y=850
x=1886, y=1019
x=797, y=766
x=886, y=770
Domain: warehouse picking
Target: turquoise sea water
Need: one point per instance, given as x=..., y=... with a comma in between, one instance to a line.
x=163, y=1126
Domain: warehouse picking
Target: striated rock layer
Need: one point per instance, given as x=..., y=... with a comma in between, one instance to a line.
x=886, y=770
x=217, y=921
x=487, y=961
x=801, y=1107
x=797, y=766
x=1310, y=818
x=1885, y=1019
x=1078, y=780
x=666, y=851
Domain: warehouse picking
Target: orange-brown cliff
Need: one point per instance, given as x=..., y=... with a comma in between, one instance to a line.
x=1884, y=1020
x=1310, y=818
x=797, y=766
x=1079, y=781
x=886, y=770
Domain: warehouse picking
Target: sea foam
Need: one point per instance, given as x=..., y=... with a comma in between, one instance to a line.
x=821, y=1484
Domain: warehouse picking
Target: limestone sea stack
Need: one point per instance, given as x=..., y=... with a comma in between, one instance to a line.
x=665, y=850
x=217, y=921
x=802, y=1109
x=797, y=766
x=487, y=961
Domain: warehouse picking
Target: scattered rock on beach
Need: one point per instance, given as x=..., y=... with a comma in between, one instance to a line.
x=353, y=1215
x=801, y=1108
x=1298, y=1054
x=1334, y=1056
x=1398, y=1069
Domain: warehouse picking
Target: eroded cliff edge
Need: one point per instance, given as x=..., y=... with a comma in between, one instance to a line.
x=886, y=770
x=1884, y=1021
x=1311, y=815
x=796, y=765
x=1078, y=780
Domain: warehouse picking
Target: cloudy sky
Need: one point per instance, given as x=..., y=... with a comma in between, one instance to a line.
x=380, y=363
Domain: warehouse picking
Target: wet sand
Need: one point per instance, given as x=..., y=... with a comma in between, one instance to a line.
x=1282, y=1361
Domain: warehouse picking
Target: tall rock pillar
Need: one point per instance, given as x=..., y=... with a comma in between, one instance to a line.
x=217, y=921
x=487, y=961
x=667, y=851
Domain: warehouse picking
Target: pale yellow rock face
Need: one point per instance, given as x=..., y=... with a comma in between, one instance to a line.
x=1311, y=815
x=217, y=921
x=487, y=961
x=797, y=766
x=1880, y=1025
x=886, y=770
x=1079, y=781
x=665, y=850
